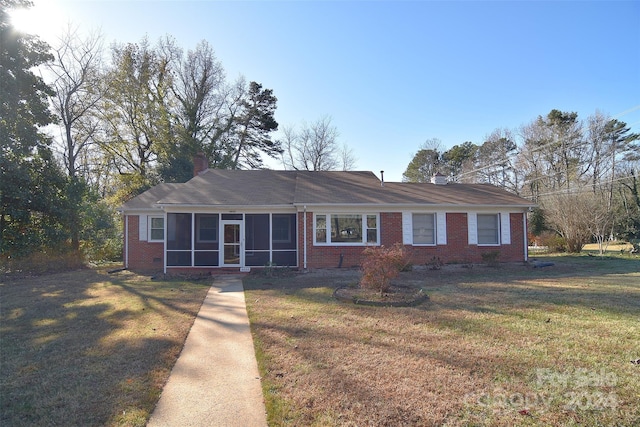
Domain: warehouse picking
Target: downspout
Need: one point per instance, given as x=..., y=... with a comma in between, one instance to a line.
x=526, y=239
x=126, y=241
x=304, y=238
x=164, y=245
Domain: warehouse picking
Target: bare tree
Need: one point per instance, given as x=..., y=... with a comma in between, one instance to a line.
x=77, y=75
x=495, y=160
x=579, y=215
x=315, y=148
x=347, y=158
x=201, y=112
x=77, y=80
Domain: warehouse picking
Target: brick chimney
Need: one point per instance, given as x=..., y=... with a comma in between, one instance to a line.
x=200, y=163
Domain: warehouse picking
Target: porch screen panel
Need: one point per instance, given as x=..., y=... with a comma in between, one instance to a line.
x=179, y=231
x=179, y=239
x=179, y=258
x=285, y=258
x=256, y=236
x=284, y=240
x=206, y=240
x=205, y=258
x=284, y=231
x=206, y=232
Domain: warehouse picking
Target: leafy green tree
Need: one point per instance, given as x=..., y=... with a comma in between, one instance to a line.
x=252, y=134
x=563, y=148
x=425, y=163
x=553, y=153
x=495, y=160
x=459, y=162
x=423, y=166
x=136, y=116
x=32, y=200
x=100, y=227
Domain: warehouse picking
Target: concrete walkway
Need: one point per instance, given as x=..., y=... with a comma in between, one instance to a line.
x=215, y=381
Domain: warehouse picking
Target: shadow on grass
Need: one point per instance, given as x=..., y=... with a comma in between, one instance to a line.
x=84, y=348
x=572, y=280
x=484, y=328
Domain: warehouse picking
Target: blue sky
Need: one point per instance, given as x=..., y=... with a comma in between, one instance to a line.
x=392, y=74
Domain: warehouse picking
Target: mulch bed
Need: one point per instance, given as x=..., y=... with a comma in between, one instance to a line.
x=397, y=296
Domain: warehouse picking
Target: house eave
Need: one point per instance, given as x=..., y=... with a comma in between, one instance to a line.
x=133, y=211
x=174, y=206
x=406, y=206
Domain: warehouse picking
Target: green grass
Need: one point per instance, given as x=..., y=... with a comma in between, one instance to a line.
x=512, y=345
x=87, y=348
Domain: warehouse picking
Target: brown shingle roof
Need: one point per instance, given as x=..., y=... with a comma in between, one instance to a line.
x=147, y=199
x=237, y=188
x=269, y=188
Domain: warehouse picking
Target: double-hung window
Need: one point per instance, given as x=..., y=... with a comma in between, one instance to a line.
x=156, y=228
x=424, y=229
x=372, y=229
x=321, y=228
x=488, y=229
x=346, y=229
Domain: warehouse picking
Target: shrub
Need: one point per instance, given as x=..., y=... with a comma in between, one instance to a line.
x=553, y=241
x=380, y=265
x=435, y=263
x=491, y=258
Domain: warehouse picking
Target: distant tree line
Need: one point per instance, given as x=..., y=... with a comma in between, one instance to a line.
x=84, y=128
x=582, y=174
x=124, y=124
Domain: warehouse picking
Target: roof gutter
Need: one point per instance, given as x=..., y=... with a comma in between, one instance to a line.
x=413, y=205
x=212, y=206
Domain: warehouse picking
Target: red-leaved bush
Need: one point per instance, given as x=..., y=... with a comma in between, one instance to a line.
x=380, y=265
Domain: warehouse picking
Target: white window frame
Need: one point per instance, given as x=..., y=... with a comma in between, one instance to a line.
x=365, y=229
x=435, y=228
x=150, y=219
x=440, y=228
x=499, y=225
x=315, y=229
x=329, y=223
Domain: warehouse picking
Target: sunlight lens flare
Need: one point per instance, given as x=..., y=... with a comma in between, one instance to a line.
x=43, y=19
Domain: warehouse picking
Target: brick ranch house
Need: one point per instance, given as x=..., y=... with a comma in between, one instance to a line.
x=241, y=219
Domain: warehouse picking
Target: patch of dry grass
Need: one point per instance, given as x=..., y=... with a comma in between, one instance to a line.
x=493, y=346
x=88, y=348
x=40, y=263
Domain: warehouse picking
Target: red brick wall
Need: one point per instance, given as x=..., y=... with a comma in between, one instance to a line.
x=457, y=249
x=143, y=256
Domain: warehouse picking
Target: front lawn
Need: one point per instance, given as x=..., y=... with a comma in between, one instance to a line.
x=85, y=348
x=501, y=346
